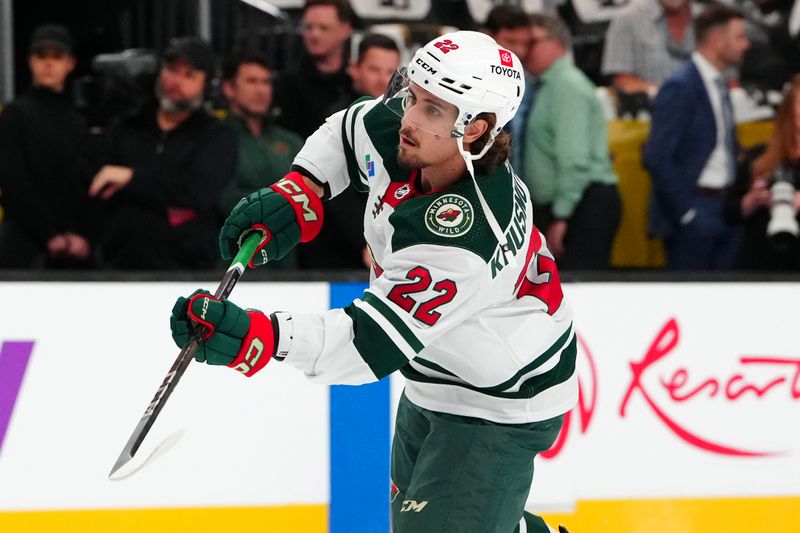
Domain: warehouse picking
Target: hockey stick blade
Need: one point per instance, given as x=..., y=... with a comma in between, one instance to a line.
x=186, y=355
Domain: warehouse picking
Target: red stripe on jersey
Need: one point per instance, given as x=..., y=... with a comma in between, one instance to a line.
x=546, y=283
x=535, y=246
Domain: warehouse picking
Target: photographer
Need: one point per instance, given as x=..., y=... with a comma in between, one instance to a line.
x=756, y=201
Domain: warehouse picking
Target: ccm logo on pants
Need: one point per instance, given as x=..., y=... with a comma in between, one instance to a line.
x=413, y=505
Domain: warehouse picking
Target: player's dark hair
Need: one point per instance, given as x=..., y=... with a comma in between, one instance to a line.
x=243, y=57
x=375, y=40
x=343, y=9
x=497, y=153
x=713, y=16
x=505, y=17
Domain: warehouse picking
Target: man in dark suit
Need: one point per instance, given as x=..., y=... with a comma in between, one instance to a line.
x=691, y=151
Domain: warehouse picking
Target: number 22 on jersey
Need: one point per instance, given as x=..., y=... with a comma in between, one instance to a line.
x=420, y=280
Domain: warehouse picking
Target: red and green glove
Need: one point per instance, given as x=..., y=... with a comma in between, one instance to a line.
x=288, y=212
x=244, y=340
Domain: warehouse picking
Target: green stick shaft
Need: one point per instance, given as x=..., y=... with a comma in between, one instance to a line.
x=234, y=272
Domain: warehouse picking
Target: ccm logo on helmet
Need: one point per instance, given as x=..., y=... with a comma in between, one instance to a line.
x=299, y=196
x=425, y=66
x=446, y=45
x=505, y=71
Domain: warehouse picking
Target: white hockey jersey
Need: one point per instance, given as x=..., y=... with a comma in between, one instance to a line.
x=474, y=333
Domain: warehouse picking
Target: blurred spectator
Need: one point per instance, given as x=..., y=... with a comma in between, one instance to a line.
x=691, y=151
x=510, y=27
x=774, y=54
x=567, y=164
x=646, y=42
x=165, y=169
x=751, y=199
x=265, y=150
x=378, y=59
x=43, y=186
x=318, y=84
x=305, y=96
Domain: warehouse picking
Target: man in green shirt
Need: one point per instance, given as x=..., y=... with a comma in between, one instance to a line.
x=265, y=149
x=566, y=162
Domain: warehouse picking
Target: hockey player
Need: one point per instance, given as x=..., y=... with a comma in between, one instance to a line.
x=464, y=300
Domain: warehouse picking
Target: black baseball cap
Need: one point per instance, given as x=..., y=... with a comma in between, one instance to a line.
x=194, y=50
x=51, y=36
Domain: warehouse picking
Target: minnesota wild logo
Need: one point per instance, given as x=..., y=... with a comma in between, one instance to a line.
x=450, y=215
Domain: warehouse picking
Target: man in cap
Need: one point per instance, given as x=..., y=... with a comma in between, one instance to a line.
x=164, y=171
x=43, y=190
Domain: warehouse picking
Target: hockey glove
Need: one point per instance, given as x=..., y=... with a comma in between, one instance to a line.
x=288, y=212
x=240, y=339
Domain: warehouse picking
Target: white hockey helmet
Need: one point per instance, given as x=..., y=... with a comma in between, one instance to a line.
x=469, y=70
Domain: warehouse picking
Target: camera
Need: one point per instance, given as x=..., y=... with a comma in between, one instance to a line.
x=121, y=83
x=783, y=228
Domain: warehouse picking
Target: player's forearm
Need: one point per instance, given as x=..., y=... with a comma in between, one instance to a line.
x=314, y=186
x=322, y=347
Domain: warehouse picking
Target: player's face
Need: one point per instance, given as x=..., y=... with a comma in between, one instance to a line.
x=425, y=130
x=515, y=39
x=50, y=68
x=371, y=75
x=251, y=90
x=180, y=82
x=323, y=32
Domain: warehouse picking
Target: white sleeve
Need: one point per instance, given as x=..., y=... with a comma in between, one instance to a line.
x=409, y=306
x=329, y=155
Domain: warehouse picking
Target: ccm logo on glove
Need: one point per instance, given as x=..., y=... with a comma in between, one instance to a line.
x=306, y=205
x=251, y=356
x=287, y=212
x=299, y=196
x=260, y=339
x=242, y=339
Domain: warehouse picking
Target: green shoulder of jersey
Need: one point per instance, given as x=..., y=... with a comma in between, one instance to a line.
x=454, y=216
x=382, y=125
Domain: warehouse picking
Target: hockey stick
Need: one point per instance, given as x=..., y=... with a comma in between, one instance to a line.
x=233, y=274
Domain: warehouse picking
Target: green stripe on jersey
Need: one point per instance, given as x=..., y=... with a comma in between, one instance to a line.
x=394, y=320
x=382, y=125
x=536, y=363
x=528, y=389
x=434, y=366
x=373, y=344
x=353, y=169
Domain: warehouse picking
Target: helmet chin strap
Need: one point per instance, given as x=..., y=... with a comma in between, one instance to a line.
x=498, y=232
